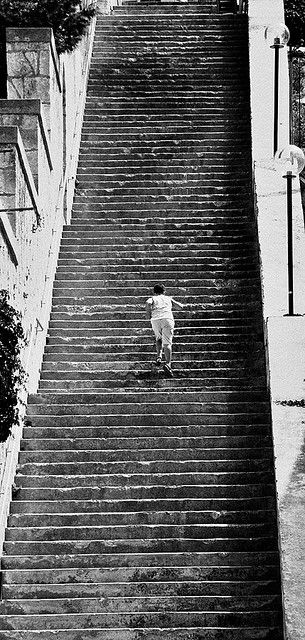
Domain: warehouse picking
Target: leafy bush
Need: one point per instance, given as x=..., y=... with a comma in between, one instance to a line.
x=295, y=21
x=67, y=18
x=12, y=374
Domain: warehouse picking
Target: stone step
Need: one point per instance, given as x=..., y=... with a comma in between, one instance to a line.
x=161, y=382
x=157, y=545
x=145, y=471
x=111, y=475
x=249, y=633
x=213, y=505
x=259, y=430
x=148, y=274
x=143, y=518
x=96, y=185
x=187, y=331
x=134, y=619
x=218, y=398
x=100, y=344
x=112, y=568
x=132, y=362
x=161, y=146
x=95, y=178
x=112, y=419
x=164, y=251
x=140, y=603
x=126, y=295
x=178, y=118
x=98, y=589
x=146, y=280
x=136, y=10
x=154, y=454
x=239, y=266
x=169, y=225
x=135, y=232
x=113, y=492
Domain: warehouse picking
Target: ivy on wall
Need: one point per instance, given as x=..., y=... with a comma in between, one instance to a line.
x=68, y=18
x=12, y=374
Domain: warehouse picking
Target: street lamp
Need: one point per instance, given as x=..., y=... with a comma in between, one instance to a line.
x=290, y=161
x=277, y=36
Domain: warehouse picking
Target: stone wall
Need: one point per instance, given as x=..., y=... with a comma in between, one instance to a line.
x=40, y=127
x=285, y=336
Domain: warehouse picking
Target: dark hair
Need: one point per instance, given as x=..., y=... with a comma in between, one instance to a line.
x=158, y=288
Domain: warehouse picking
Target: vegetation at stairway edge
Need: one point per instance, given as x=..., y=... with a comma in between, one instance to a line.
x=295, y=21
x=68, y=18
x=12, y=374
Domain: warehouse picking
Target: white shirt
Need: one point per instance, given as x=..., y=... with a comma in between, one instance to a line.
x=161, y=307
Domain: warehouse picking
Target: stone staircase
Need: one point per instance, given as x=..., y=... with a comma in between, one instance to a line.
x=146, y=508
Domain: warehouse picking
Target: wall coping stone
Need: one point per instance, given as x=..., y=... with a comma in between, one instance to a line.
x=36, y=34
x=29, y=107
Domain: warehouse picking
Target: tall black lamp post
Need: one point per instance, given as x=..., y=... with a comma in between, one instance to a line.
x=277, y=37
x=290, y=161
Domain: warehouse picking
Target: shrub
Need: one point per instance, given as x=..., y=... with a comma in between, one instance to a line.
x=12, y=374
x=295, y=21
x=67, y=18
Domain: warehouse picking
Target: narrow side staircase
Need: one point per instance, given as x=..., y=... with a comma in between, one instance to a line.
x=146, y=508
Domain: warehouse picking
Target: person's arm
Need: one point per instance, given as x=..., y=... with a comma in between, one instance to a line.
x=148, y=309
x=177, y=305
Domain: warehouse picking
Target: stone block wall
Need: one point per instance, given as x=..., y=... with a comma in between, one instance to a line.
x=40, y=128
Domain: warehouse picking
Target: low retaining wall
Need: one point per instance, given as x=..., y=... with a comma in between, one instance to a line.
x=285, y=339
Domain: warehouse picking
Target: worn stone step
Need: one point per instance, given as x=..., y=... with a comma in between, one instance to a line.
x=148, y=277
x=54, y=364
x=233, y=383
x=252, y=488
x=129, y=620
x=134, y=225
x=136, y=11
x=151, y=455
x=123, y=327
x=228, y=472
x=206, y=313
x=98, y=237
x=108, y=433
x=174, y=107
x=141, y=352
x=166, y=135
x=183, y=358
x=143, y=518
x=88, y=336
x=213, y=505
x=157, y=545
x=203, y=400
x=200, y=263
x=90, y=589
x=247, y=566
x=131, y=374
x=138, y=470
x=162, y=383
x=226, y=209
x=232, y=633
x=218, y=398
x=138, y=419
x=141, y=603
x=153, y=121
x=122, y=226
